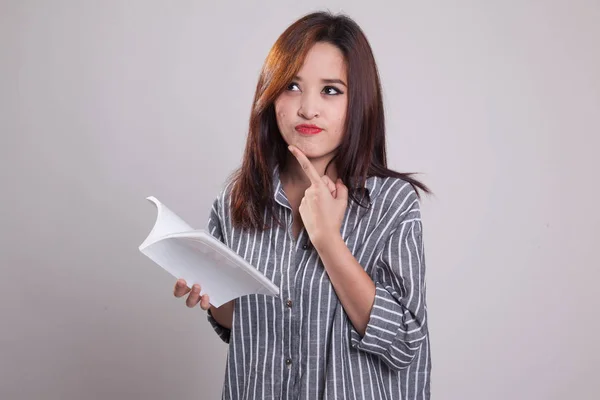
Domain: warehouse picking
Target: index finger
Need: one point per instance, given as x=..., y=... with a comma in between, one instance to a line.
x=181, y=288
x=306, y=165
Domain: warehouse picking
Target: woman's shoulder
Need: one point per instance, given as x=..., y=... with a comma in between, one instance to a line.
x=395, y=195
x=223, y=194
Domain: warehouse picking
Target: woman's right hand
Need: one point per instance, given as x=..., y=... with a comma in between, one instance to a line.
x=181, y=289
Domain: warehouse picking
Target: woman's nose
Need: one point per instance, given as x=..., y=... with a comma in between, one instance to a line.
x=309, y=108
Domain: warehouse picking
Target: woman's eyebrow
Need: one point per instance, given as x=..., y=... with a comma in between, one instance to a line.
x=341, y=82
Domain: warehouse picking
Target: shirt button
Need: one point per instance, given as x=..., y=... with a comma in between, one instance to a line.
x=288, y=303
x=305, y=246
x=288, y=362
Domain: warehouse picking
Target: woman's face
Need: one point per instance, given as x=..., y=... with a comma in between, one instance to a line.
x=312, y=110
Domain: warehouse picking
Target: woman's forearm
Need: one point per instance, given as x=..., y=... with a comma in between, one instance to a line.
x=353, y=286
x=224, y=314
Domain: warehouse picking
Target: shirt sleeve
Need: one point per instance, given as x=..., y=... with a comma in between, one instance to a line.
x=214, y=227
x=398, y=320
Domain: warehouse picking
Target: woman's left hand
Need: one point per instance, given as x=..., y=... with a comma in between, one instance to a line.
x=322, y=210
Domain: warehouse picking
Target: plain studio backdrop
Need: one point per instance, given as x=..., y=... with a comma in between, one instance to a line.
x=102, y=103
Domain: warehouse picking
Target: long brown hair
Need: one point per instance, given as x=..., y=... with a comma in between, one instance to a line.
x=362, y=152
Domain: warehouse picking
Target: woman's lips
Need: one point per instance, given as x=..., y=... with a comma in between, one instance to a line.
x=308, y=129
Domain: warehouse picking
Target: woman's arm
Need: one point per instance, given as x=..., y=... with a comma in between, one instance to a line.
x=387, y=307
x=389, y=313
x=224, y=314
x=353, y=286
x=221, y=318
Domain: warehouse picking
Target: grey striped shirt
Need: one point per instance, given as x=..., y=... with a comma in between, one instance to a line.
x=302, y=345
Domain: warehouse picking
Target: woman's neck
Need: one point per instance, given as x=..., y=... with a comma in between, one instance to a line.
x=294, y=175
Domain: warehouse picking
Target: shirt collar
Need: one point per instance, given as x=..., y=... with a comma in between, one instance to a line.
x=278, y=193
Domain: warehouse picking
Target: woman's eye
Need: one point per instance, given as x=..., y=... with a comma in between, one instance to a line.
x=293, y=87
x=330, y=90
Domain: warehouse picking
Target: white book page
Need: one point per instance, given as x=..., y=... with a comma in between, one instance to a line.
x=198, y=257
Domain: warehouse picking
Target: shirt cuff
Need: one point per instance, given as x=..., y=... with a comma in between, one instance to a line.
x=384, y=322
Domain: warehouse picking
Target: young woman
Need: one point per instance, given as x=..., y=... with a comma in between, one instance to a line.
x=315, y=209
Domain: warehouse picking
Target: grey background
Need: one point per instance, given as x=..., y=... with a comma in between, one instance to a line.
x=103, y=103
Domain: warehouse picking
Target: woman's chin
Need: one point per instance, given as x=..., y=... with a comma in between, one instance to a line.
x=311, y=149
x=316, y=155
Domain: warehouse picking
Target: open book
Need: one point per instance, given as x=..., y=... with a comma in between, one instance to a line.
x=198, y=257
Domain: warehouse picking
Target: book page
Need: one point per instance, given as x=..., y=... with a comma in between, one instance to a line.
x=167, y=222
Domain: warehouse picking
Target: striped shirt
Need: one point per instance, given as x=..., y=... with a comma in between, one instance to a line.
x=302, y=345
